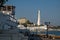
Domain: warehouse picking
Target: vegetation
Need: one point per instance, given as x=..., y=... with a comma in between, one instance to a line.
x=58, y=27
x=27, y=22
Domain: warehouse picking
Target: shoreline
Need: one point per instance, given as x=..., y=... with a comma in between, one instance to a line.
x=53, y=29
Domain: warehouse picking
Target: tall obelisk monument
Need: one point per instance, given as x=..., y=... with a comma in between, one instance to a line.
x=38, y=21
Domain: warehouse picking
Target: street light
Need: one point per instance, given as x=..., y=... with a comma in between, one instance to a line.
x=47, y=23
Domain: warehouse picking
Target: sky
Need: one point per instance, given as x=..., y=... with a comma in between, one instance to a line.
x=50, y=10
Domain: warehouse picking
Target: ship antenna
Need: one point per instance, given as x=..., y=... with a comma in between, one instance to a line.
x=2, y=2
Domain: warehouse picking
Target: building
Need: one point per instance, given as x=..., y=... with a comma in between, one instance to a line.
x=22, y=20
x=38, y=21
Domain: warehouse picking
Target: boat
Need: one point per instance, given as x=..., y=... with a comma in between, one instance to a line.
x=8, y=23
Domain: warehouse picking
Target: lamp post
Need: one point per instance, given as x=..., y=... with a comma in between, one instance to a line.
x=47, y=23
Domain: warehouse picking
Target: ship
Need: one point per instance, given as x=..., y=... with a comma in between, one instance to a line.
x=8, y=23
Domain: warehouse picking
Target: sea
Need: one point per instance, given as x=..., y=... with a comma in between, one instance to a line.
x=57, y=33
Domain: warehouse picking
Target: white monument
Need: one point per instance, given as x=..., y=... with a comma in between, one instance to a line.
x=38, y=21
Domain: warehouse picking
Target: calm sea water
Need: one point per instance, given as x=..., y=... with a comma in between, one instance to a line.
x=49, y=32
x=54, y=32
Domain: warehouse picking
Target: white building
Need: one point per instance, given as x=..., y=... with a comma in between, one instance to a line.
x=38, y=21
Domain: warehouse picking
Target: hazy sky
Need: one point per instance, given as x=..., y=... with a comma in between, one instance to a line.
x=50, y=10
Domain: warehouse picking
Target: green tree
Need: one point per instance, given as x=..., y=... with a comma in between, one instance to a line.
x=27, y=22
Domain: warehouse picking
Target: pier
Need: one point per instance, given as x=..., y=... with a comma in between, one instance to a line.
x=44, y=37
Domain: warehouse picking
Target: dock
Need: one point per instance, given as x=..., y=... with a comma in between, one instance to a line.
x=49, y=36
